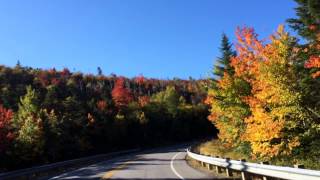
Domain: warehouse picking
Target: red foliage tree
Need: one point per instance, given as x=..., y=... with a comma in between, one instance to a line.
x=43, y=78
x=101, y=105
x=52, y=77
x=140, y=80
x=120, y=94
x=65, y=72
x=5, y=135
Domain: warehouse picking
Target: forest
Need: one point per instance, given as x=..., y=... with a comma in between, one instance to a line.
x=265, y=97
x=50, y=115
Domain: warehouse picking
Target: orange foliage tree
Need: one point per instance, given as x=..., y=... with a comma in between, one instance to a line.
x=143, y=100
x=314, y=62
x=275, y=102
x=120, y=94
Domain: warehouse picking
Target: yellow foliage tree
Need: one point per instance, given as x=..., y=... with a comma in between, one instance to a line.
x=227, y=109
x=275, y=102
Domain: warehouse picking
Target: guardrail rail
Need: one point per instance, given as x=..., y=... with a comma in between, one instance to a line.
x=51, y=169
x=262, y=170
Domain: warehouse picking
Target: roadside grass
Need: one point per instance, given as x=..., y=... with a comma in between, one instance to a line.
x=215, y=148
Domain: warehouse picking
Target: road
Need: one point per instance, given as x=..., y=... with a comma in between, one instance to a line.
x=159, y=164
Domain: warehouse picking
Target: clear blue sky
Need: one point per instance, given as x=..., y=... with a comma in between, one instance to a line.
x=156, y=38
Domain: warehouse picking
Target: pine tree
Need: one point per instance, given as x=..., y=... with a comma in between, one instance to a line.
x=18, y=65
x=223, y=62
x=224, y=98
x=308, y=22
x=53, y=134
x=99, y=71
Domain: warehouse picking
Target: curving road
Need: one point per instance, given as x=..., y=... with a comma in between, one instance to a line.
x=164, y=163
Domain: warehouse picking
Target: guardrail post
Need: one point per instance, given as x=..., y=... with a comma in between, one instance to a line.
x=243, y=173
x=228, y=170
x=218, y=169
x=265, y=163
x=210, y=166
x=301, y=166
x=203, y=164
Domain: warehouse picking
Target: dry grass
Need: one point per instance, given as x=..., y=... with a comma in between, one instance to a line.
x=215, y=148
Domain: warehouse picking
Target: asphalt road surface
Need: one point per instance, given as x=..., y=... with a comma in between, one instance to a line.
x=159, y=164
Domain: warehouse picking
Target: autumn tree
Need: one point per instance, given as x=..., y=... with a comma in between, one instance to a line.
x=140, y=80
x=29, y=140
x=314, y=62
x=102, y=105
x=143, y=100
x=120, y=94
x=275, y=103
x=228, y=111
x=6, y=134
x=169, y=98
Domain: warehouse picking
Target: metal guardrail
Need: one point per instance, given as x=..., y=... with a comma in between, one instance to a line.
x=35, y=172
x=259, y=169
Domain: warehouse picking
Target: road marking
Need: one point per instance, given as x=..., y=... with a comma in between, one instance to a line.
x=110, y=173
x=172, y=167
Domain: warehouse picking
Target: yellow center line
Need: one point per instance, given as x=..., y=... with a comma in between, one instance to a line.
x=110, y=173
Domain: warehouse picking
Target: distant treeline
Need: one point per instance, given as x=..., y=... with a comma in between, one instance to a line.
x=50, y=115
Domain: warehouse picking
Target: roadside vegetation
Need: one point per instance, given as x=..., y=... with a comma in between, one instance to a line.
x=265, y=95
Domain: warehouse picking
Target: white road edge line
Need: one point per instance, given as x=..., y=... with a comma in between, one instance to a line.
x=172, y=167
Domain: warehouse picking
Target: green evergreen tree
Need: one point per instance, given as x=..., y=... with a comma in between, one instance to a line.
x=223, y=62
x=307, y=23
x=53, y=135
x=99, y=71
x=74, y=121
